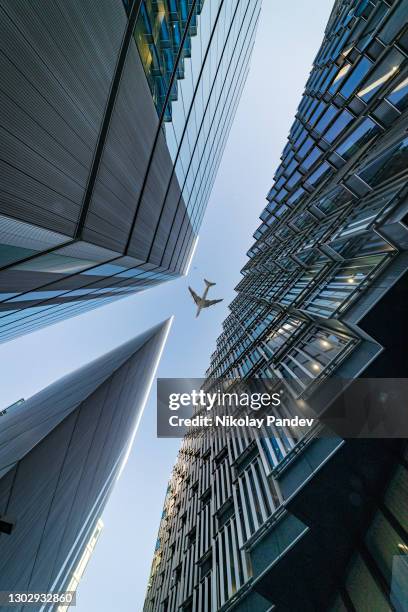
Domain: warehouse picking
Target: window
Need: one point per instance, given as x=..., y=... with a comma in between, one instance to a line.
x=337, y=290
x=393, y=161
x=158, y=36
x=386, y=70
x=328, y=78
x=338, y=126
x=333, y=200
x=188, y=606
x=295, y=197
x=206, y=497
x=300, y=138
x=322, y=172
x=191, y=537
x=205, y=566
x=291, y=167
x=271, y=194
x=396, y=497
x=294, y=179
x=311, y=158
x=359, y=137
x=326, y=118
x=303, y=221
x=399, y=95
x=311, y=109
x=307, y=145
x=226, y=513
x=177, y=574
x=394, y=24
x=364, y=592
x=371, y=26
x=310, y=357
x=339, y=78
x=272, y=450
x=280, y=336
x=340, y=44
x=384, y=544
x=356, y=77
x=282, y=193
x=317, y=112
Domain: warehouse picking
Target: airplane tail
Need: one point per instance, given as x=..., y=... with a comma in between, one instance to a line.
x=209, y=283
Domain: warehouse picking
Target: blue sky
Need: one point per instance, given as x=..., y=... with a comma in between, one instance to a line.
x=288, y=38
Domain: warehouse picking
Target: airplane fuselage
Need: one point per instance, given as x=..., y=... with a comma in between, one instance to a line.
x=202, y=301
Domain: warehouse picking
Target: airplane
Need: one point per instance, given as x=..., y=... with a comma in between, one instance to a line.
x=201, y=301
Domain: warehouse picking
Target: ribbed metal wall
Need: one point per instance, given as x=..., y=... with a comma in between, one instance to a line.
x=57, y=61
x=60, y=454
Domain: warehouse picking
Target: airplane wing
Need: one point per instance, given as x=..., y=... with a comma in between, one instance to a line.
x=196, y=298
x=211, y=303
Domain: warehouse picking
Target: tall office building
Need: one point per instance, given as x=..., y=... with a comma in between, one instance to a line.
x=290, y=519
x=113, y=119
x=61, y=452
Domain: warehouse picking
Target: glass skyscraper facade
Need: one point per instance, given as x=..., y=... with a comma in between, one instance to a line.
x=61, y=453
x=112, y=133
x=290, y=519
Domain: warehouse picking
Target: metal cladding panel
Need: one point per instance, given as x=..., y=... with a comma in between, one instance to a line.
x=74, y=494
x=36, y=480
x=57, y=59
x=167, y=229
x=6, y=484
x=183, y=245
x=16, y=280
x=60, y=486
x=148, y=214
x=24, y=426
x=180, y=226
x=124, y=163
x=20, y=240
x=171, y=243
x=61, y=269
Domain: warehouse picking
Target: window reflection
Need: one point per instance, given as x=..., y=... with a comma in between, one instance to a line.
x=309, y=358
x=359, y=137
x=326, y=118
x=399, y=95
x=158, y=35
x=338, y=126
x=356, y=76
x=339, y=78
x=392, y=162
x=386, y=70
x=318, y=175
x=311, y=158
x=333, y=200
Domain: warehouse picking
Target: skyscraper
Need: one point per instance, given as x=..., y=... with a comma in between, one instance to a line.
x=114, y=117
x=291, y=519
x=61, y=452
